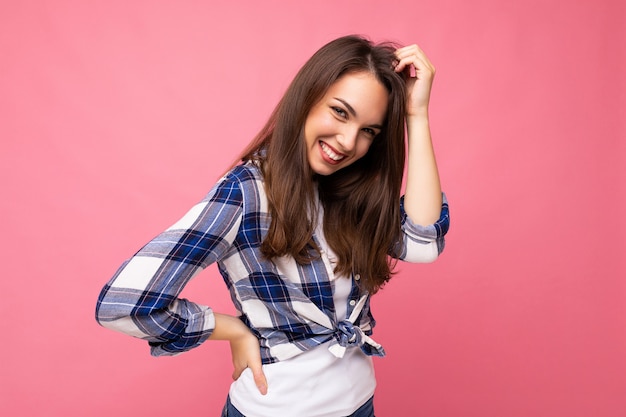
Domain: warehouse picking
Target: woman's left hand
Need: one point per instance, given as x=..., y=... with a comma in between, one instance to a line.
x=420, y=83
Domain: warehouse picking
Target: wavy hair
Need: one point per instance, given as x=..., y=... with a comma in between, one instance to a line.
x=361, y=201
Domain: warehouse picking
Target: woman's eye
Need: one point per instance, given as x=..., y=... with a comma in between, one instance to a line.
x=341, y=112
x=370, y=132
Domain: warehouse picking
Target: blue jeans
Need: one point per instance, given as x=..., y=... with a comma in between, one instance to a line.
x=366, y=410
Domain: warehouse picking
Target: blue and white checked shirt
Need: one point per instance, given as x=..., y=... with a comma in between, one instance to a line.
x=288, y=306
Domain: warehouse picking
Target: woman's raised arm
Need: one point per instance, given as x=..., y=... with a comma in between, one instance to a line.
x=423, y=196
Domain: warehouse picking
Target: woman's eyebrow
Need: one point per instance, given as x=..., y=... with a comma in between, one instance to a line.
x=353, y=112
x=348, y=106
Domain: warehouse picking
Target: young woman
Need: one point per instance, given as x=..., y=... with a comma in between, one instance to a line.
x=303, y=231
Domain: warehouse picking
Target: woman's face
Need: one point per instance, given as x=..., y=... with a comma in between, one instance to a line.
x=340, y=128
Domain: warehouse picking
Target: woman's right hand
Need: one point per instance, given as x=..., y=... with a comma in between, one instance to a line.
x=246, y=353
x=244, y=348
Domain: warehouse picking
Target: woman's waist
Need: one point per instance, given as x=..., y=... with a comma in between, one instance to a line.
x=315, y=382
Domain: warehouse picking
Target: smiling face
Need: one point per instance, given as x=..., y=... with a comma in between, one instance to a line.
x=340, y=128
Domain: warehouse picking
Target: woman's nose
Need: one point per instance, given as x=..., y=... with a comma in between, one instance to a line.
x=347, y=140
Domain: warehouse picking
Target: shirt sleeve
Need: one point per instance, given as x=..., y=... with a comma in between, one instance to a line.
x=422, y=243
x=141, y=299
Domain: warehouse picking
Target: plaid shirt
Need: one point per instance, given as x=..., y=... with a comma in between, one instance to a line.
x=288, y=306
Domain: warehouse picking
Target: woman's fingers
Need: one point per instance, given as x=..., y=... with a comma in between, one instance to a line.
x=413, y=55
x=259, y=377
x=257, y=374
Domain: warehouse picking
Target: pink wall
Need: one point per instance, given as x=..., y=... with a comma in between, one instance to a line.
x=116, y=116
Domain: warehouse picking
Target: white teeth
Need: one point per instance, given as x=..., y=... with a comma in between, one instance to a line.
x=332, y=155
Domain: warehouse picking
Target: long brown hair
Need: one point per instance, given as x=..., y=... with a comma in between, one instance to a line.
x=361, y=201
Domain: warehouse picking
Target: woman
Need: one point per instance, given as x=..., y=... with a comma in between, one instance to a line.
x=304, y=230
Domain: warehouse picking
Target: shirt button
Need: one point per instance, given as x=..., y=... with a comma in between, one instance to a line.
x=352, y=303
x=357, y=277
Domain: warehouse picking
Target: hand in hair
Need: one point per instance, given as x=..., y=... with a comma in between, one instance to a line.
x=420, y=73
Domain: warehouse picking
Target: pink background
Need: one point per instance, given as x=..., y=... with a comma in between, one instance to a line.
x=115, y=117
